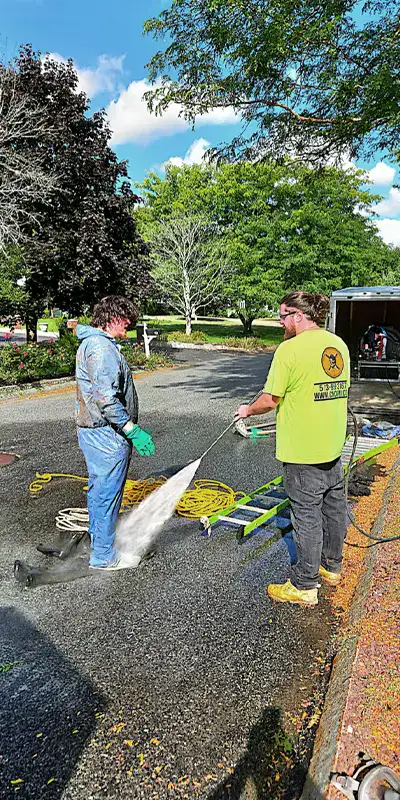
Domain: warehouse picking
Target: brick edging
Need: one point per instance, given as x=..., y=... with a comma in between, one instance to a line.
x=326, y=739
x=49, y=385
x=35, y=386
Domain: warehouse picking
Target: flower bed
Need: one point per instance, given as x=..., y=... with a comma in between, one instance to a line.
x=180, y=336
x=55, y=358
x=249, y=343
x=21, y=363
x=244, y=342
x=136, y=358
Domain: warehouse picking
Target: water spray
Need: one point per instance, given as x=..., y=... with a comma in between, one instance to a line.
x=137, y=530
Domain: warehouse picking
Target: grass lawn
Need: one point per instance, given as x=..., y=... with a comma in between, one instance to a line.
x=217, y=331
x=52, y=326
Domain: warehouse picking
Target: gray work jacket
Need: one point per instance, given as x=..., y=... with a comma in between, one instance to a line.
x=106, y=394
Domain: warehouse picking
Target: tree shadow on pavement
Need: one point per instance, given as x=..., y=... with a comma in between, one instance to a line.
x=236, y=377
x=48, y=712
x=269, y=768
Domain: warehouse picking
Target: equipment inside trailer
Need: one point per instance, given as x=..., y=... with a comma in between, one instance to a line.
x=368, y=319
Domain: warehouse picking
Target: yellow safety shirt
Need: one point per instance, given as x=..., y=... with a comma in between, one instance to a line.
x=311, y=373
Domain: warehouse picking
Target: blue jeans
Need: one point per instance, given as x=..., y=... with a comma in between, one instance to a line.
x=319, y=517
x=107, y=455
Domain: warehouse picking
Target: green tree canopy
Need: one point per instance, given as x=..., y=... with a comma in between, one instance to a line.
x=282, y=226
x=85, y=243
x=306, y=76
x=12, y=285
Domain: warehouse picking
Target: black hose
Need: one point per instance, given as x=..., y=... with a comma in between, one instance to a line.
x=376, y=539
x=390, y=385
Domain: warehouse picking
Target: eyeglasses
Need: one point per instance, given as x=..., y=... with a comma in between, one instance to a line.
x=288, y=314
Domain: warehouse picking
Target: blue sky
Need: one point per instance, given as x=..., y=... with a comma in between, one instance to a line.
x=106, y=44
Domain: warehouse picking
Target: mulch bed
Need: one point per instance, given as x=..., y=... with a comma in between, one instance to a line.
x=370, y=722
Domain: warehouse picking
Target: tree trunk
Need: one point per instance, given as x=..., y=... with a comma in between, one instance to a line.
x=247, y=325
x=187, y=303
x=31, y=322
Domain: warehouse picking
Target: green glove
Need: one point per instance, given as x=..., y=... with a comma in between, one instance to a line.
x=141, y=440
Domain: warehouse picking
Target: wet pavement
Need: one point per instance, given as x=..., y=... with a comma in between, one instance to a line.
x=165, y=681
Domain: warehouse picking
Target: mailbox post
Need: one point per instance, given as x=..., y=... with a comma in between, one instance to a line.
x=145, y=335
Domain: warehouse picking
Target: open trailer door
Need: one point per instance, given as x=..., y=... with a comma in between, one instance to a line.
x=368, y=319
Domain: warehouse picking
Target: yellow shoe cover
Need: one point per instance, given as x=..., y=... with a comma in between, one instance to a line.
x=287, y=593
x=331, y=578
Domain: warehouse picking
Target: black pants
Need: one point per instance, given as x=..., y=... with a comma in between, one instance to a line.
x=319, y=518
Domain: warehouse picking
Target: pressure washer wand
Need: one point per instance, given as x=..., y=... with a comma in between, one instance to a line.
x=229, y=426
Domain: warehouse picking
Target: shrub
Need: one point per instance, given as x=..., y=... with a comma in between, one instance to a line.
x=58, y=322
x=85, y=319
x=20, y=363
x=180, y=336
x=245, y=342
x=136, y=358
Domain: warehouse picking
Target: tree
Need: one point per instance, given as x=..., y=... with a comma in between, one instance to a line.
x=189, y=269
x=23, y=180
x=282, y=227
x=391, y=274
x=310, y=76
x=13, y=297
x=87, y=244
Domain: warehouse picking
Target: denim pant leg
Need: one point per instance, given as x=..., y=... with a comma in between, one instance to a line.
x=334, y=518
x=304, y=484
x=107, y=455
x=89, y=498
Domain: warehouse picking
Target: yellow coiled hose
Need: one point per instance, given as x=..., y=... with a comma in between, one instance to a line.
x=204, y=499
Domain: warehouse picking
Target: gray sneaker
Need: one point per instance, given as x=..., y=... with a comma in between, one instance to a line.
x=121, y=563
x=108, y=567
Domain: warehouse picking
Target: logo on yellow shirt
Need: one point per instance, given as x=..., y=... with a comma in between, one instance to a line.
x=332, y=362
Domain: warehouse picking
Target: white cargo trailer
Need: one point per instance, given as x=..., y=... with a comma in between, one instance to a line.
x=352, y=311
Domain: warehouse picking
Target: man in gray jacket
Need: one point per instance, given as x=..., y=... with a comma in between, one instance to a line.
x=106, y=418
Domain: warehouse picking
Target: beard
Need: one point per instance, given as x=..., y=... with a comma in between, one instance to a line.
x=289, y=333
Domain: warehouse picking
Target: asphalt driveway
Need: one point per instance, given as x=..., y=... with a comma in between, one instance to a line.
x=171, y=680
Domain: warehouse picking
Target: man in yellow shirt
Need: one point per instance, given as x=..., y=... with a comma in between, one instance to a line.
x=308, y=384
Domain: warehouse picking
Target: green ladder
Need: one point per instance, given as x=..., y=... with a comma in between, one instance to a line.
x=268, y=505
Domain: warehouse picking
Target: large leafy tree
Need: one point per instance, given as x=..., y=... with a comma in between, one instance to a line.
x=309, y=76
x=283, y=226
x=85, y=243
x=391, y=275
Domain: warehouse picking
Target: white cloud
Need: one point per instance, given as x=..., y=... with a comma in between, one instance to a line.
x=389, y=230
x=381, y=174
x=341, y=161
x=131, y=121
x=194, y=155
x=363, y=211
x=103, y=78
x=391, y=206
x=94, y=81
x=55, y=57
